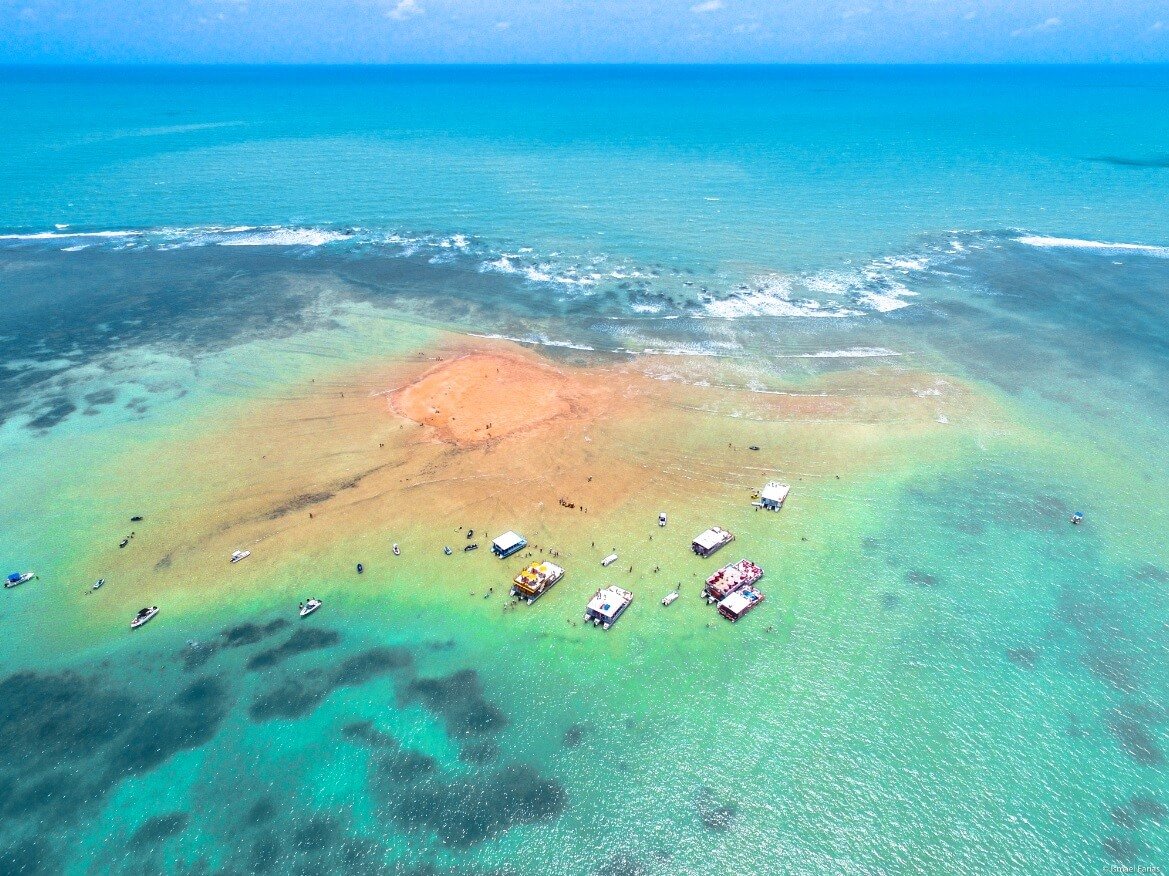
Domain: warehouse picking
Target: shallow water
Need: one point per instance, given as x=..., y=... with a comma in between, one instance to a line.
x=945, y=674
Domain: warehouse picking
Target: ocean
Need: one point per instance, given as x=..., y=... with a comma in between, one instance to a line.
x=938, y=297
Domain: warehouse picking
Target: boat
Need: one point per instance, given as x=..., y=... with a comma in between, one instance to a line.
x=712, y=540
x=507, y=544
x=1078, y=518
x=125, y=541
x=607, y=605
x=397, y=550
x=662, y=519
x=470, y=533
x=773, y=495
x=730, y=578
x=535, y=580
x=471, y=547
x=98, y=583
x=447, y=550
x=143, y=616
x=609, y=560
x=137, y=518
x=308, y=607
x=236, y=556
x=360, y=568
x=740, y=602
x=18, y=578
x=670, y=598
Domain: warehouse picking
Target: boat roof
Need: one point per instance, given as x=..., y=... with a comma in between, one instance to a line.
x=544, y=569
x=609, y=601
x=775, y=490
x=741, y=600
x=508, y=540
x=711, y=538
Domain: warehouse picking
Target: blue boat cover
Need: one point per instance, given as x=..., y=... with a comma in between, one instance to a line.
x=15, y=576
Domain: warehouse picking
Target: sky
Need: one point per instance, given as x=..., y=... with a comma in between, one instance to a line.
x=574, y=31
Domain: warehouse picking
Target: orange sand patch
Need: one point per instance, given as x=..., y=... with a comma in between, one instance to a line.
x=480, y=397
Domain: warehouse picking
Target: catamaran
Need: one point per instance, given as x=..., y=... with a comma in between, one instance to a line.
x=607, y=605
x=535, y=580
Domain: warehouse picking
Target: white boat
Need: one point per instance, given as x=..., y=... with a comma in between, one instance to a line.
x=397, y=550
x=236, y=556
x=307, y=608
x=609, y=560
x=662, y=519
x=97, y=585
x=670, y=597
x=710, y=541
x=607, y=605
x=18, y=578
x=740, y=602
x=143, y=616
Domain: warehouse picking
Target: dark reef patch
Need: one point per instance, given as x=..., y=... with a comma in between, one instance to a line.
x=467, y=811
x=1113, y=669
x=574, y=735
x=713, y=814
x=303, y=640
x=190, y=722
x=159, y=828
x=1156, y=161
x=482, y=752
x=365, y=666
x=623, y=864
x=921, y=579
x=250, y=633
x=1134, y=737
x=1119, y=848
x=293, y=697
x=300, y=694
x=458, y=700
x=1024, y=658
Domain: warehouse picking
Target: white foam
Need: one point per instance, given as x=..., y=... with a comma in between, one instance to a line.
x=538, y=340
x=284, y=237
x=1102, y=246
x=854, y=353
x=66, y=235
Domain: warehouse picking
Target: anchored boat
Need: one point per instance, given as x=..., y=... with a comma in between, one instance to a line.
x=740, y=602
x=143, y=616
x=607, y=605
x=712, y=540
x=308, y=607
x=507, y=544
x=730, y=578
x=669, y=598
x=236, y=556
x=18, y=578
x=536, y=580
x=609, y=560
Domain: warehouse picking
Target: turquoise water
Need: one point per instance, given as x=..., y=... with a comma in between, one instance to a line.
x=946, y=674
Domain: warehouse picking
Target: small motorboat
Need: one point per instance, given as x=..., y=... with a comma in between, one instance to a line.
x=97, y=585
x=143, y=616
x=447, y=550
x=397, y=550
x=470, y=533
x=662, y=519
x=1078, y=518
x=137, y=518
x=236, y=556
x=307, y=608
x=18, y=578
x=125, y=541
x=609, y=560
x=471, y=547
x=360, y=568
x=754, y=447
x=670, y=597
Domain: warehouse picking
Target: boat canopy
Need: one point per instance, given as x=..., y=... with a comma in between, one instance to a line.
x=508, y=543
x=15, y=576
